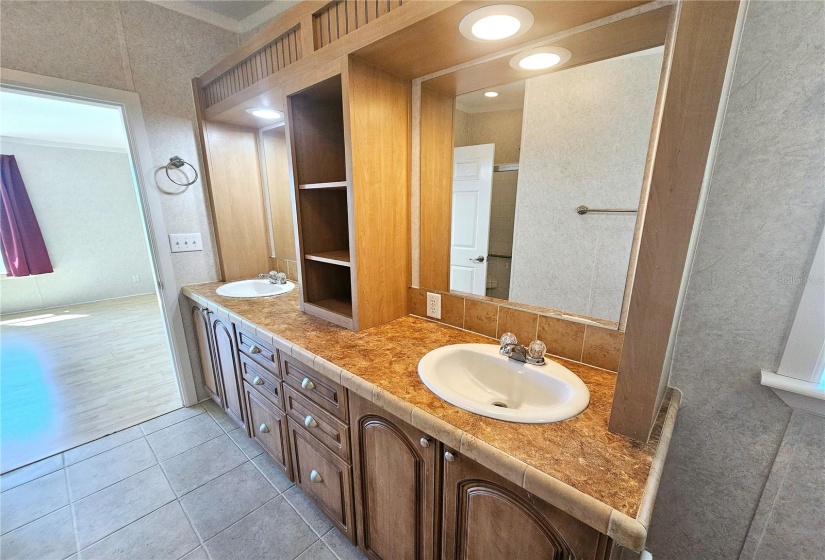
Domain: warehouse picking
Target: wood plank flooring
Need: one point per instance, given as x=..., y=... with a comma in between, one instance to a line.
x=70, y=375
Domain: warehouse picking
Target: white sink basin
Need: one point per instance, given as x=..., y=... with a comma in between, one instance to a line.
x=477, y=378
x=254, y=288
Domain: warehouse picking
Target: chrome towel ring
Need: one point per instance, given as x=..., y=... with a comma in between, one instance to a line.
x=176, y=163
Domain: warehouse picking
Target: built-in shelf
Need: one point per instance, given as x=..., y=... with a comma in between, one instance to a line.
x=340, y=258
x=333, y=185
x=338, y=306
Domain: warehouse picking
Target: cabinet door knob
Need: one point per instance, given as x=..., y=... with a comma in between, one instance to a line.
x=310, y=422
x=263, y=428
x=424, y=442
x=315, y=477
x=255, y=349
x=449, y=457
x=307, y=384
x=257, y=381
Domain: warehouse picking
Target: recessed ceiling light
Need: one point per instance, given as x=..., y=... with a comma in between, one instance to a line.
x=494, y=23
x=265, y=113
x=490, y=94
x=541, y=58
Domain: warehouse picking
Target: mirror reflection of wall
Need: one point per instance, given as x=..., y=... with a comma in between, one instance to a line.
x=282, y=230
x=580, y=137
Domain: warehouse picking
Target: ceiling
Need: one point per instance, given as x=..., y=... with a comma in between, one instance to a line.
x=510, y=97
x=61, y=122
x=239, y=16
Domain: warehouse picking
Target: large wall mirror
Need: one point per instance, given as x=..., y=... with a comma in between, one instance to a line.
x=542, y=170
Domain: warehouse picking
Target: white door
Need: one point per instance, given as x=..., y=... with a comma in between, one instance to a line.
x=472, y=197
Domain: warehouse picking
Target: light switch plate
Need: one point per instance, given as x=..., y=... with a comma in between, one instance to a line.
x=185, y=242
x=434, y=305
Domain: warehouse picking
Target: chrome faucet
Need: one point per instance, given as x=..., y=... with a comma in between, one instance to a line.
x=274, y=277
x=534, y=354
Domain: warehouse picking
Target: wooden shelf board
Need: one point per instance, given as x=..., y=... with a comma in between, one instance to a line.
x=340, y=258
x=339, y=306
x=333, y=185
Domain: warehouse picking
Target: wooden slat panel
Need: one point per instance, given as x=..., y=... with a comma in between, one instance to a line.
x=352, y=15
x=341, y=8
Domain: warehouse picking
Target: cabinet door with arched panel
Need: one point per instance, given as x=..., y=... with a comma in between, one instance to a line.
x=226, y=366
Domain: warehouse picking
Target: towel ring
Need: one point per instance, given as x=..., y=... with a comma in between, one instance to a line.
x=176, y=163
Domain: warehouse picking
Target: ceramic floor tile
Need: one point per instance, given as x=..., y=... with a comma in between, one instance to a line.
x=113, y=508
x=272, y=532
x=248, y=445
x=163, y=534
x=179, y=415
x=221, y=502
x=317, y=551
x=272, y=472
x=100, y=471
x=201, y=464
x=48, y=538
x=32, y=500
x=197, y=554
x=101, y=445
x=177, y=438
x=219, y=415
x=319, y=522
x=30, y=472
x=340, y=545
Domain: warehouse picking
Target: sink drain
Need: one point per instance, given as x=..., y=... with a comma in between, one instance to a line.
x=499, y=404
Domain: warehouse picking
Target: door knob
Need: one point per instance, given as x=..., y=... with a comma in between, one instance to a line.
x=310, y=422
x=315, y=477
x=307, y=384
x=257, y=381
x=478, y=259
x=255, y=349
x=424, y=442
x=449, y=457
x=263, y=428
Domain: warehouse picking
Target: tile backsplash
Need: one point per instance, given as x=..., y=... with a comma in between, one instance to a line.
x=590, y=344
x=288, y=267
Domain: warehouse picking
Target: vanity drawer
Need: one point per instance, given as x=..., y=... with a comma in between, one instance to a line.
x=325, y=477
x=327, y=394
x=262, y=380
x=269, y=427
x=321, y=425
x=261, y=352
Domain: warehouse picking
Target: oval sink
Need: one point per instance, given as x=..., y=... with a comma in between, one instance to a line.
x=254, y=288
x=477, y=378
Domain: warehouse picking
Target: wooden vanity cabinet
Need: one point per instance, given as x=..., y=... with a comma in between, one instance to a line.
x=227, y=368
x=396, y=485
x=268, y=426
x=486, y=517
x=201, y=319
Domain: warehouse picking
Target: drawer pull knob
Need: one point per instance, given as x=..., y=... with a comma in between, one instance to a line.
x=263, y=428
x=449, y=457
x=424, y=442
x=310, y=422
x=257, y=381
x=315, y=477
x=307, y=384
x=255, y=349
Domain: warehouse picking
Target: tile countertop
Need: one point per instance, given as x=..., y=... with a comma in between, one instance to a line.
x=603, y=479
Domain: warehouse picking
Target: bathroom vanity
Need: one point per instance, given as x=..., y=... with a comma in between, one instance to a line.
x=403, y=473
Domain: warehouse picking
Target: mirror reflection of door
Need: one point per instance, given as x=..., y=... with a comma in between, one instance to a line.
x=472, y=199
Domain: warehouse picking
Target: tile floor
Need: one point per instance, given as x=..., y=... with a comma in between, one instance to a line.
x=188, y=485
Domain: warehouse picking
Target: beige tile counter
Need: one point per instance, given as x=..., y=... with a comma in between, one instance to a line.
x=604, y=479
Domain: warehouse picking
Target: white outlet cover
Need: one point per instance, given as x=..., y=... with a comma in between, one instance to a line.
x=185, y=242
x=434, y=305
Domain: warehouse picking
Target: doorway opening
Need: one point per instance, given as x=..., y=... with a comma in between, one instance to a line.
x=85, y=349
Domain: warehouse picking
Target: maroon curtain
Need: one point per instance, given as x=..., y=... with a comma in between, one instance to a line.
x=21, y=242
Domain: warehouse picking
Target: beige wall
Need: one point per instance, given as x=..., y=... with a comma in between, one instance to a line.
x=585, y=141
x=132, y=46
x=765, y=212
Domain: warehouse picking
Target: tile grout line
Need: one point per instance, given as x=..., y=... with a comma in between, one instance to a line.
x=329, y=547
x=71, y=506
x=244, y=517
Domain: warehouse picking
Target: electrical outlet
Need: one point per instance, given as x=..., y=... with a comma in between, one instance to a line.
x=135, y=278
x=185, y=242
x=434, y=305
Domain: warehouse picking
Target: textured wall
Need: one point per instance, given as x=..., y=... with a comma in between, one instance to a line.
x=502, y=128
x=133, y=46
x=586, y=134
x=765, y=212
x=87, y=209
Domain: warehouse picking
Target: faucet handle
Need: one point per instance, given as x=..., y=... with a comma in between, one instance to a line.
x=535, y=352
x=506, y=343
